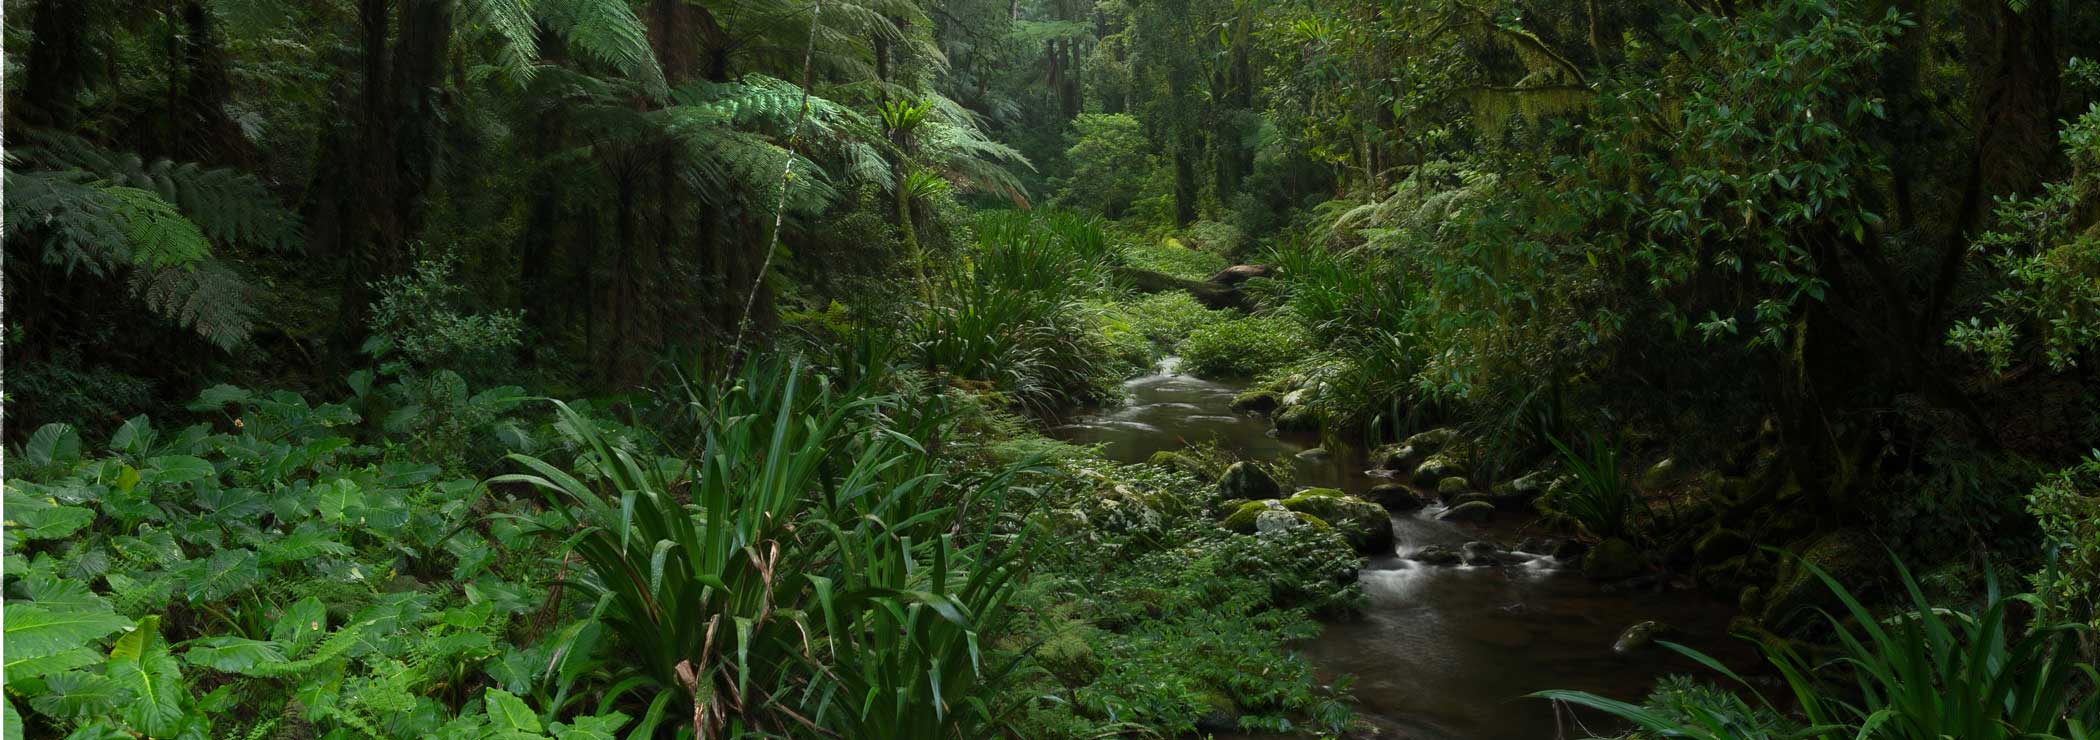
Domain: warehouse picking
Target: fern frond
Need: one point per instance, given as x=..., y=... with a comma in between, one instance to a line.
x=159, y=235
x=609, y=31
x=71, y=219
x=516, y=33
x=206, y=297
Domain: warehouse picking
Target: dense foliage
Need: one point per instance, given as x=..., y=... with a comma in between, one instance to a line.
x=663, y=368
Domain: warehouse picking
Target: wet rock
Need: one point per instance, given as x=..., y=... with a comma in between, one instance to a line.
x=1518, y=494
x=1315, y=454
x=1721, y=545
x=1450, y=463
x=1248, y=481
x=1437, y=555
x=1538, y=545
x=1297, y=419
x=1257, y=401
x=1660, y=474
x=1452, y=487
x=1611, y=560
x=1471, y=511
x=1396, y=498
x=1489, y=554
x=1398, y=458
x=1433, y=440
x=1410, y=453
x=1568, y=550
x=1219, y=716
x=1366, y=526
x=1639, y=636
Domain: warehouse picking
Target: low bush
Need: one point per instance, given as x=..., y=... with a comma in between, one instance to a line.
x=1173, y=258
x=1244, y=347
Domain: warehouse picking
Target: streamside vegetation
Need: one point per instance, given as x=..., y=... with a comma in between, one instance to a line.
x=691, y=368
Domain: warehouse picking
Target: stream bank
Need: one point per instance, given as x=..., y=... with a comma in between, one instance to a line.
x=1439, y=652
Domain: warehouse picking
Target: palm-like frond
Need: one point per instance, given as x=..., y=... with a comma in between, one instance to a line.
x=208, y=298
x=608, y=31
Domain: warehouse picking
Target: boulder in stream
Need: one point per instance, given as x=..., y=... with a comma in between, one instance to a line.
x=1639, y=636
x=1258, y=401
x=1488, y=554
x=1449, y=463
x=1367, y=526
x=1237, y=274
x=1396, y=498
x=1470, y=511
x=1437, y=555
x=1248, y=481
x=1612, y=560
x=1452, y=487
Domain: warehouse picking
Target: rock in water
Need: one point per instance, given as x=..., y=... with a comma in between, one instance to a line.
x=1471, y=511
x=1488, y=553
x=1611, y=560
x=1315, y=454
x=1367, y=526
x=1639, y=636
x=1248, y=481
x=1437, y=555
x=1396, y=498
x=1257, y=401
x=1452, y=487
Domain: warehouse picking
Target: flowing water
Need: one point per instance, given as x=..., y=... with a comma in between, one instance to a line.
x=1440, y=653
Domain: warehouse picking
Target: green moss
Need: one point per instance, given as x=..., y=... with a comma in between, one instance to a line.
x=1241, y=520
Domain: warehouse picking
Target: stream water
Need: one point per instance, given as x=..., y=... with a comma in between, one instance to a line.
x=1440, y=653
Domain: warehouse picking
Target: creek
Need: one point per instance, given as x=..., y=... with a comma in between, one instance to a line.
x=1439, y=653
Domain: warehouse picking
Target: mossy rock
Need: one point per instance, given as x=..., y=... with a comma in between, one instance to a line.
x=1409, y=453
x=1721, y=544
x=1249, y=517
x=1849, y=555
x=1612, y=560
x=1452, y=487
x=1367, y=527
x=1454, y=462
x=1248, y=481
x=1258, y=401
x=1241, y=519
x=1219, y=715
x=1297, y=419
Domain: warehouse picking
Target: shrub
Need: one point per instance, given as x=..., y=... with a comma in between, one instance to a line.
x=1922, y=674
x=1171, y=257
x=2067, y=506
x=1244, y=347
x=421, y=317
x=1167, y=318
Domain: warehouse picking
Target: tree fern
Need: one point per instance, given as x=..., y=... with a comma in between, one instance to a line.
x=608, y=31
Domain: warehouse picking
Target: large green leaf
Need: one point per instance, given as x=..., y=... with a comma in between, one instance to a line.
x=599, y=727
x=139, y=664
x=340, y=497
x=33, y=518
x=34, y=631
x=179, y=469
x=224, y=574
x=52, y=443
x=509, y=714
x=11, y=725
x=74, y=696
x=232, y=654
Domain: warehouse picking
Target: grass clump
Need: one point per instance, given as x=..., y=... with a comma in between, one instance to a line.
x=1170, y=256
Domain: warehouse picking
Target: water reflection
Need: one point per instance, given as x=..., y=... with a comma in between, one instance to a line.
x=1440, y=652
